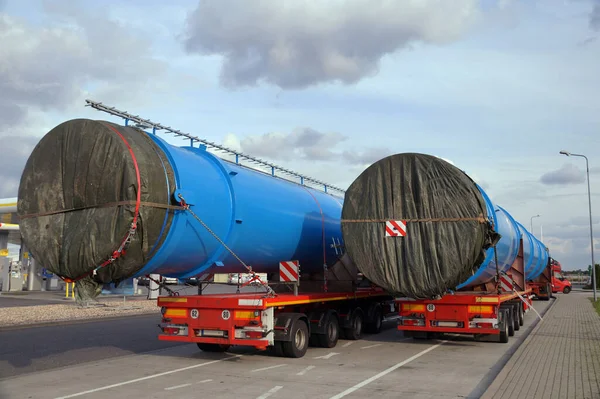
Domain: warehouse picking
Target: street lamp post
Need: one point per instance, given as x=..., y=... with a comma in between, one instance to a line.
x=587, y=167
x=531, y=223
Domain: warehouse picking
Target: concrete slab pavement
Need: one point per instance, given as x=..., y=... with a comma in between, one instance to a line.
x=560, y=358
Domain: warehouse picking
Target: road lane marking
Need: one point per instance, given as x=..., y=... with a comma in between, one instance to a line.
x=270, y=392
x=203, y=381
x=328, y=356
x=177, y=387
x=305, y=370
x=370, y=346
x=385, y=372
x=347, y=344
x=268, y=368
x=120, y=384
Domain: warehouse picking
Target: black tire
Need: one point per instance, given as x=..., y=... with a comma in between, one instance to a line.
x=298, y=346
x=332, y=333
x=278, y=349
x=354, y=332
x=503, y=325
x=515, y=313
x=374, y=327
x=566, y=290
x=204, y=347
x=510, y=322
x=521, y=314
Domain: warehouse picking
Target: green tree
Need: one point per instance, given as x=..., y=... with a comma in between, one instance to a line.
x=597, y=276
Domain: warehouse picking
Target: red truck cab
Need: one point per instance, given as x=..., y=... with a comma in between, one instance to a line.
x=559, y=282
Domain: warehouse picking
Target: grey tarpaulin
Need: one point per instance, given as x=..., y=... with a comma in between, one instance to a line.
x=434, y=256
x=77, y=172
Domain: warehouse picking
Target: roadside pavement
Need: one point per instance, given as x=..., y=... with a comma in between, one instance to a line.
x=559, y=359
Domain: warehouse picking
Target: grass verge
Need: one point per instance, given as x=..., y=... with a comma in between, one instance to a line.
x=596, y=305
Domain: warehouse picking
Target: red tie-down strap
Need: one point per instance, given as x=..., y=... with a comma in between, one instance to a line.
x=121, y=250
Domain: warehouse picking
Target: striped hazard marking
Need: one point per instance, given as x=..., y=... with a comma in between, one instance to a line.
x=288, y=271
x=395, y=228
x=506, y=283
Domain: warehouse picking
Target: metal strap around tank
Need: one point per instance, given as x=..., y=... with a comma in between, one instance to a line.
x=255, y=276
x=107, y=205
x=480, y=219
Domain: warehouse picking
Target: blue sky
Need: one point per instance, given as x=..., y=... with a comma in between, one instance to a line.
x=496, y=87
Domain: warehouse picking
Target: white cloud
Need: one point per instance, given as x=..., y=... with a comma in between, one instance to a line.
x=296, y=44
x=567, y=174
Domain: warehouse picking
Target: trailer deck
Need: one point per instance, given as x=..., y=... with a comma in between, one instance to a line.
x=287, y=322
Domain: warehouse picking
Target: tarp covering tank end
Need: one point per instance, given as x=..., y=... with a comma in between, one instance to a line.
x=447, y=228
x=78, y=196
x=77, y=201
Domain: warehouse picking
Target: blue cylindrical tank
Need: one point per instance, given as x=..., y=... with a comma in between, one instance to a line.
x=542, y=259
x=530, y=253
x=98, y=202
x=262, y=218
x=535, y=253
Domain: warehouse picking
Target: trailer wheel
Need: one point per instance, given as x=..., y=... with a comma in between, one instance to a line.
x=298, y=346
x=332, y=333
x=566, y=290
x=204, y=347
x=503, y=325
x=374, y=327
x=515, y=313
x=510, y=322
x=354, y=332
x=521, y=314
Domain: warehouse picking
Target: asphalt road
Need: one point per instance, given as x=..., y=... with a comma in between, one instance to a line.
x=29, y=350
x=123, y=358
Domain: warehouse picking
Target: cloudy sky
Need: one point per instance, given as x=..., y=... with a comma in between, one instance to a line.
x=327, y=87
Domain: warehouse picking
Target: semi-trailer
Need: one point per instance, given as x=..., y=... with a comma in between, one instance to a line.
x=446, y=222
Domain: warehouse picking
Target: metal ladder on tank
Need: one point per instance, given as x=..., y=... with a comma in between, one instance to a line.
x=143, y=124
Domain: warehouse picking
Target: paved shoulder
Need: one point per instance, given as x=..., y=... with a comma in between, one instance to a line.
x=560, y=359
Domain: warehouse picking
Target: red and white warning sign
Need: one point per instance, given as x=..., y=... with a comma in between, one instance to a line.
x=506, y=283
x=395, y=228
x=288, y=271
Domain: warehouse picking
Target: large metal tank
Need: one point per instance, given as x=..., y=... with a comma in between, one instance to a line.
x=81, y=185
x=455, y=236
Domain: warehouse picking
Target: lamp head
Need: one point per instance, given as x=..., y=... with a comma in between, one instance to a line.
x=567, y=153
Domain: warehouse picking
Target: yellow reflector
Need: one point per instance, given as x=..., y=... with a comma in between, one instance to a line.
x=169, y=299
x=481, y=309
x=413, y=307
x=243, y=315
x=175, y=313
x=486, y=300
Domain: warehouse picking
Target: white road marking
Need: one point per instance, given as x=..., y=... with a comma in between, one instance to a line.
x=347, y=344
x=203, y=381
x=328, y=356
x=385, y=372
x=268, y=368
x=370, y=346
x=305, y=370
x=120, y=384
x=270, y=392
x=177, y=387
